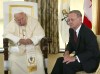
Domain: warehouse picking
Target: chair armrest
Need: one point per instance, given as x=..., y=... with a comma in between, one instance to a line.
x=44, y=47
x=44, y=44
x=5, y=46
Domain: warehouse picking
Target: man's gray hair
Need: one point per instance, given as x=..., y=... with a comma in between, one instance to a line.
x=77, y=12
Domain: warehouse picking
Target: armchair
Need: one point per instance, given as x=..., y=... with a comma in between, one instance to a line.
x=10, y=8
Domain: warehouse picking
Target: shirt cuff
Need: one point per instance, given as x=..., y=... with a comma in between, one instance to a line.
x=77, y=58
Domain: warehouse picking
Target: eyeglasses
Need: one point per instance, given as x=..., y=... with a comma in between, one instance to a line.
x=68, y=20
x=71, y=20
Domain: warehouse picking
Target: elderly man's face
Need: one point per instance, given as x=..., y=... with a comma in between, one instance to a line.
x=74, y=21
x=21, y=19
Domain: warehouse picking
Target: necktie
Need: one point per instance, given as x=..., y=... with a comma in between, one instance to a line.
x=75, y=36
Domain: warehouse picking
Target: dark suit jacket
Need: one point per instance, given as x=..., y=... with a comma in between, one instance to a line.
x=86, y=48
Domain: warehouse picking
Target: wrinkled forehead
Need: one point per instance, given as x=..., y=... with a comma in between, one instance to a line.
x=19, y=15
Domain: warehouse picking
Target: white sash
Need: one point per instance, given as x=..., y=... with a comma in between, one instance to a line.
x=30, y=55
x=30, y=52
x=31, y=58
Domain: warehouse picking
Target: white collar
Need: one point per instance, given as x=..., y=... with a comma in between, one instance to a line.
x=77, y=30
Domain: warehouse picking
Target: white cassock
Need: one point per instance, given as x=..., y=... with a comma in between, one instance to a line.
x=22, y=57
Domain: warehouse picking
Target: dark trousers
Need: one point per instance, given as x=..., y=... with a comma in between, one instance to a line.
x=63, y=68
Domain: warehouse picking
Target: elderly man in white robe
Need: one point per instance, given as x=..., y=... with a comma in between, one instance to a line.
x=24, y=33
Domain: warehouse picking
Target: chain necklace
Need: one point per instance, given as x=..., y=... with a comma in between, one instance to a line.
x=22, y=32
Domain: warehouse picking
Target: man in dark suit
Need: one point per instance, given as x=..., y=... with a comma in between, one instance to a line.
x=83, y=43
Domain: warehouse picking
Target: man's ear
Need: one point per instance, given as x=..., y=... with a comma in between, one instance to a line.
x=80, y=19
x=15, y=16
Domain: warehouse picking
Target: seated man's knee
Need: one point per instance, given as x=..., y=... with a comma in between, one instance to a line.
x=60, y=59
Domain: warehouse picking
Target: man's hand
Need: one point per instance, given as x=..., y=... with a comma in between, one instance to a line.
x=25, y=41
x=65, y=58
x=69, y=59
x=28, y=41
x=22, y=41
x=66, y=53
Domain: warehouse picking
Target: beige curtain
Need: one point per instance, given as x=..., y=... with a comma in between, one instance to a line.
x=48, y=18
x=98, y=18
